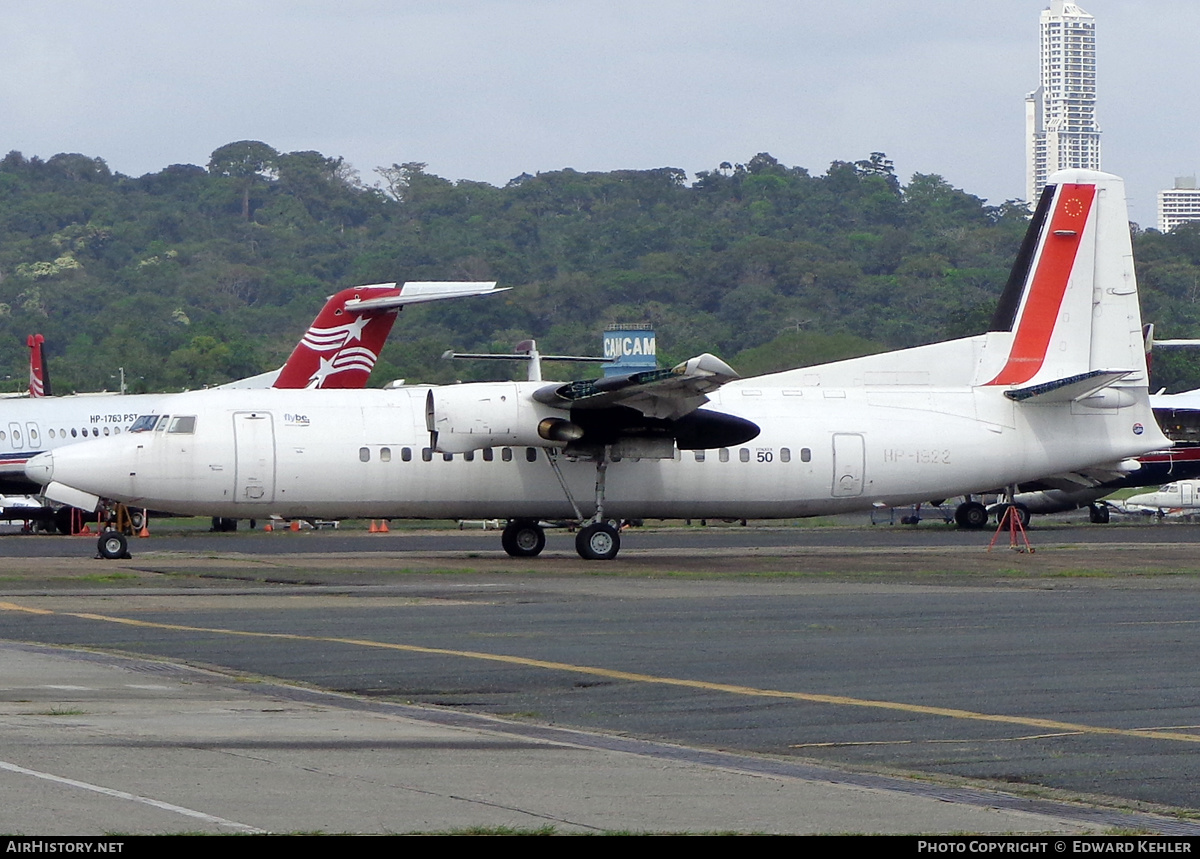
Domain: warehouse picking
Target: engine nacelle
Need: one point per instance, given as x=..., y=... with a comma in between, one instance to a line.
x=478, y=415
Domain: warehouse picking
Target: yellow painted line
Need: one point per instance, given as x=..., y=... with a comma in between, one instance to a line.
x=634, y=677
x=10, y=606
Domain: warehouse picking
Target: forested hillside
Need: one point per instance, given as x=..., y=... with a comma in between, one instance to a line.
x=197, y=275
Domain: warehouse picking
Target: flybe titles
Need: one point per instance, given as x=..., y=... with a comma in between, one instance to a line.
x=616, y=348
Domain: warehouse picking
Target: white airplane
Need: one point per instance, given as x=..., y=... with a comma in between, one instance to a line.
x=338, y=351
x=1180, y=496
x=1059, y=385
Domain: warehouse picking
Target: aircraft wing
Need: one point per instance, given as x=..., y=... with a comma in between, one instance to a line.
x=419, y=292
x=665, y=394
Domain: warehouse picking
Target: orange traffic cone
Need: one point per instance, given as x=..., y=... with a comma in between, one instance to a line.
x=383, y=528
x=372, y=529
x=268, y=527
x=295, y=526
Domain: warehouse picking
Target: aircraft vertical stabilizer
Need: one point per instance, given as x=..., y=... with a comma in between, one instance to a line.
x=1070, y=309
x=39, y=376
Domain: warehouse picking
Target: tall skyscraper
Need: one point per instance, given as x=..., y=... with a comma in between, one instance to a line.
x=1060, y=115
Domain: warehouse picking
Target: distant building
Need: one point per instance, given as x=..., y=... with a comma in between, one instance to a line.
x=1178, y=205
x=1060, y=115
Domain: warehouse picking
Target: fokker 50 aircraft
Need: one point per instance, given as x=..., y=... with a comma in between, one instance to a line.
x=1058, y=385
x=338, y=351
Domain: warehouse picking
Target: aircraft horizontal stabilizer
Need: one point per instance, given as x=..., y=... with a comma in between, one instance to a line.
x=419, y=292
x=1068, y=389
x=665, y=394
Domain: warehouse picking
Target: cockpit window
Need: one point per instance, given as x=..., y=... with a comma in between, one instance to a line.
x=183, y=424
x=162, y=423
x=144, y=423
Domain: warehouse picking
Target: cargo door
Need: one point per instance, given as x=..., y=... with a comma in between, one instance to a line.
x=254, y=457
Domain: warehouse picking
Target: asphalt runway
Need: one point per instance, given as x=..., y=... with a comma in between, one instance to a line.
x=1066, y=672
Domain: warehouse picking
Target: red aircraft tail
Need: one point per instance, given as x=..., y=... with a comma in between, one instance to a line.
x=39, y=375
x=344, y=342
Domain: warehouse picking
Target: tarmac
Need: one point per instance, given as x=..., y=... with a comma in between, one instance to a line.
x=100, y=744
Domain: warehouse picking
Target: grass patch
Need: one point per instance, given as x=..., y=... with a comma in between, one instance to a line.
x=108, y=577
x=60, y=711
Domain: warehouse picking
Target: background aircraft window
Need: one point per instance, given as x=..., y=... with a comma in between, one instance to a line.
x=699, y=455
x=406, y=454
x=506, y=454
x=385, y=454
x=744, y=454
x=3, y=435
x=531, y=454
x=364, y=454
x=448, y=457
x=427, y=454
x=723, y=454
x=469, y=456
x=487, y=454
x=805, y=455
x=183, y=424
x=33, y=436
x=16, y=435
x=785, y=454
x=51, y=433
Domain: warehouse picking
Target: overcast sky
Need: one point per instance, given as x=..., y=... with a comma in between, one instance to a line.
x=489, y=89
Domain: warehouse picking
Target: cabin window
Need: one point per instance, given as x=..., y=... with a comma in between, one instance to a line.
x=699, y=455
x=106, y=430
x=531, y=454
x=184, y=424
x=96, y=432
x=744, y=454
x=488, y=455
x=73, y=432
x=116, y=430
x=406, y=454
x=506, y=454
x=723, y=454
x=427, y=454
x=385, y=454
x=805, y=455
x=785, y=454
x=364, y=454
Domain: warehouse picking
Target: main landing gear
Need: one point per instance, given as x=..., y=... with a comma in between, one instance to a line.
x=597, y=540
